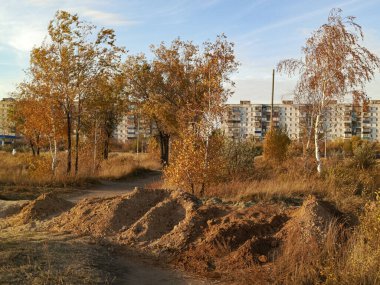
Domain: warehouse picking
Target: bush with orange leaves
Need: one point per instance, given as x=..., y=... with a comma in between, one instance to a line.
x=276, y=144
x=195, y=163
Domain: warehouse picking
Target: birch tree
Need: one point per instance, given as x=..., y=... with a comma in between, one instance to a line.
x=334, y=65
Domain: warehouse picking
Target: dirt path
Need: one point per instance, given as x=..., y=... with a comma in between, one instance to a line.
x=113, y=188
x=139, y=270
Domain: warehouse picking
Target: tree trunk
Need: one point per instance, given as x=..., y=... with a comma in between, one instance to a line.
x=309, y=128
x=95, y=147
x=164, y=143
x=54, y=160
x=37, y=146
x=53, y=153
x=68, y=116
x=32, y=147
x=106, y=146
x=77, y=145
x=317, y=154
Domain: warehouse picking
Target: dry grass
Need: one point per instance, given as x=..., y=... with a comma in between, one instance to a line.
x=347, y=187
x=25, y=177
x=40, y=258
x=351, y=251
x=358, y=261
x=121, y=165
x=259, y=190
x=348, y=256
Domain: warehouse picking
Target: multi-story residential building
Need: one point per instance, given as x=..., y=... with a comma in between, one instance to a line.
x=133, y=126
x=341, y=120
x=253, y=120
x=7, y=130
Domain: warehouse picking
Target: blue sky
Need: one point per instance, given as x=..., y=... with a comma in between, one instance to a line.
x=264, y=32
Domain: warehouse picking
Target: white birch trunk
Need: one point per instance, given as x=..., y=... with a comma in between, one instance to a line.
x=317, y=154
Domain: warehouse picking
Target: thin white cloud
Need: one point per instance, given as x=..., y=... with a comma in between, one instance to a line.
x=26, y=38
x=104, y=18
x=302, y=17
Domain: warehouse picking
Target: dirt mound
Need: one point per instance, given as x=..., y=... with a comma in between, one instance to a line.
x=312, y=220
x=234, y=241
x=44, y=207
x=188, y=230
x=212, y=239
x=107, y=216
x=171, y=225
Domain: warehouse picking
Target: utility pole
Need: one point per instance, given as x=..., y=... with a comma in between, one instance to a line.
x=271, y=113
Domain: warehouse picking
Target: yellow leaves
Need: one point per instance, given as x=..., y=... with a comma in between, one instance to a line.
x=275, y=145
x=194, y=163
x=182, y=82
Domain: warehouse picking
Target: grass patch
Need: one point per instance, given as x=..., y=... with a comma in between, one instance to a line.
x=39, y=258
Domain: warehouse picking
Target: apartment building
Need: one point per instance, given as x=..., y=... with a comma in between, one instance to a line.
x=340, y=120
x=253, y=120
x=133, y=126
x=7, y=130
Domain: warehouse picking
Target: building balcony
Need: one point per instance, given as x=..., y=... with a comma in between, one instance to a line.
x=366, y=130
x=347, y=119
x=366, y=115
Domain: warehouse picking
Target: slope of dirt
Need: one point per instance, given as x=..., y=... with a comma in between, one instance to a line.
x=238, y=240
x=106, y=216
x=44, y=207
x=210, y=239
x=9, y=208
x=312, y=220
x=171, y=225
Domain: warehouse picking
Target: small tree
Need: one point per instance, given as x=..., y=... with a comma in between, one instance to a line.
x=276, y=145
x=334, y=65
x=189, y=169
x=239, y=157
x=364, y=155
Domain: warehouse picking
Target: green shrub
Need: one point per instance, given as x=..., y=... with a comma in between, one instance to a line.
x=239, y=157
x=364, y=155
x=276, y=145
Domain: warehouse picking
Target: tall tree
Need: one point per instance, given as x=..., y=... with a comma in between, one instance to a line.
x=183, y=86
x=334, y=65
x=67, y=66
x=38, y=118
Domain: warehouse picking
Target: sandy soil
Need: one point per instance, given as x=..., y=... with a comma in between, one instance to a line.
x=8, y=208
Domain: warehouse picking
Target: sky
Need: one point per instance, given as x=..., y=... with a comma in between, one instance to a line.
x=264, y=32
